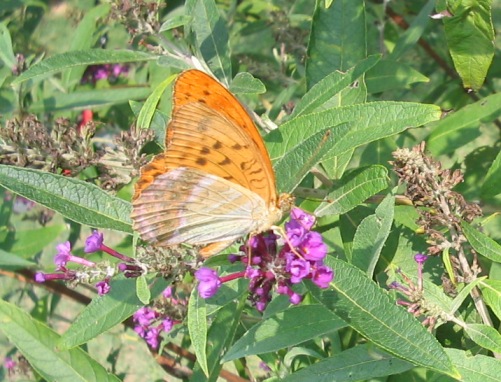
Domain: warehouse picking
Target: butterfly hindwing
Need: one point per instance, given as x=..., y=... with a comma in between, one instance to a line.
x=185, y=205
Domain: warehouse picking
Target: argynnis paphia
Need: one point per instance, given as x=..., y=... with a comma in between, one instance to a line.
x=214, y=183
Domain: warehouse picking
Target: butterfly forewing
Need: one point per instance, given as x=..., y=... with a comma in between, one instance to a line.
x=194, y=86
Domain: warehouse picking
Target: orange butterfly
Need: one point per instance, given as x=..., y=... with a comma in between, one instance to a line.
x=214, y=183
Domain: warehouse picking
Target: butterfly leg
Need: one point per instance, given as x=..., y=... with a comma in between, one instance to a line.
x=284, y=235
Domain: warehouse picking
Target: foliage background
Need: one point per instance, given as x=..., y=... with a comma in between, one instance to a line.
x=290, y=46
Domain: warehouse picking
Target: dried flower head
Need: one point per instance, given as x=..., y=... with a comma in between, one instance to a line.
x=68, y=149
x=430, y=186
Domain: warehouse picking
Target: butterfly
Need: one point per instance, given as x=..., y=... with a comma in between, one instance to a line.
x=214, y=183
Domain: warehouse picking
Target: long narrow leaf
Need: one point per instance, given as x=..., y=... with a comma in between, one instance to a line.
x=79, y=201
x=38, y=344
x=380, y=320
x=72, y=59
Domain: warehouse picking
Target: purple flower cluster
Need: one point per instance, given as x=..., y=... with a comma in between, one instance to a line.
x=109, y=72
x=270, y=268
x=150, y=325
x=152, y=322
x=90, y=271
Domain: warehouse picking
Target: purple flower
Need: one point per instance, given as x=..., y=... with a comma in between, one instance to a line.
x=40, y=277
x=313, y=246
x=67, y=275
x=167, y=293
x=299, y=269
x=109, y=72
x=232, y=258
x=295, y=298
x=264, y=366
x=9, y=363
x=322, y=276
x=209, y=282
x=396, y=285
x=101, y=73
x=152, y=337
x=94, y=242
x=167, y=324
x=144, y=316
x=118, y=69
x=306, y=220
x=64, y=248
x=103, y=287
x=261, y=305
x=130, y=270
x=64, y=256
x=252, y=273
x=295, y=232
x=420, y=258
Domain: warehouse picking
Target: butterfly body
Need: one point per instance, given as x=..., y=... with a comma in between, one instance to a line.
x=214, y=183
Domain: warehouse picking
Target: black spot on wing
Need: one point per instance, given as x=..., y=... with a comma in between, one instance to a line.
x=201, y=161
x=226, y=161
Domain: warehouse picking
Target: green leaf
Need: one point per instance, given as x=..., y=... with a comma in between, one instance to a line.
x=370, y=311
x=11, y=261
x=461, y=127
x=463, y=294
x=79, y=201
x=411, y=36
x=158, y=122
x=287, y=328
x=175, y=22
x=211, y=36
x=339, y=130
x=485, y=336
x=60, y=62
x=470, y=37
x=371, y=235
x=359, y=363
x=354, y=190
x=142, y=291
x=330, y=85
x=337, y=39
x=291, y=168
x=482, y=243
x=197, y=326
x=38, y=344
x=391, y=75
x=92, y=99
x=84, y=38
x=491, y=291
x=29, y=243
x=150, y=106
x=245, y=82
x=173, y=62
x=104, y=312
x=6, y=52
x=475, y=368
x=221, y=335
x=490, y=187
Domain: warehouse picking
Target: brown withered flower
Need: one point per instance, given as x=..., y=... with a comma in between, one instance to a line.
x=430, y=186
x=68, y=149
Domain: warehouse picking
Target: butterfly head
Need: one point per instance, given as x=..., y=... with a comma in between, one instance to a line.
x=285, y=202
